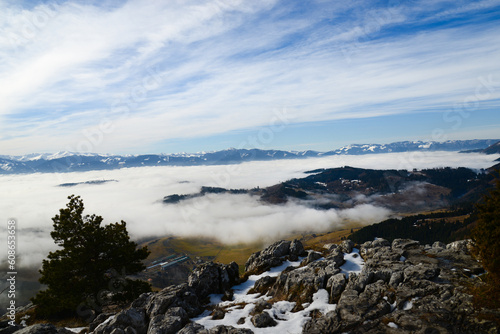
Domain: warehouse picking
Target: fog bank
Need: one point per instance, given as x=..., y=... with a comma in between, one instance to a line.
x=32, y=199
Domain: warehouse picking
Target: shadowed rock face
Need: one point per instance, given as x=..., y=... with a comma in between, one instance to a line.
x=403, y=287
x=212, y=278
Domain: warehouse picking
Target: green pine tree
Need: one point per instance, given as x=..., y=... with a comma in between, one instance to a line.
x=92, y=260
x=486, y=236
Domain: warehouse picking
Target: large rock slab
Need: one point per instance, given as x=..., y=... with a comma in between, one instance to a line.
x=274, y=255
x=132, y=318
x=213, y=278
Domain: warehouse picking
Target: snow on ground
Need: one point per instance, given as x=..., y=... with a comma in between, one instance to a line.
x=76, y=329
x=392, y=325
x=288, y=321
x=353, y=263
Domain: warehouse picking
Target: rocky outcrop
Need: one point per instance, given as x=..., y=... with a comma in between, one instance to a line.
x=274, y=255
x=41, y=329
x=299, y=285
x=406, y=288
x=169, y=310
x=402, y=287
x=212, y=278
x=263, y=320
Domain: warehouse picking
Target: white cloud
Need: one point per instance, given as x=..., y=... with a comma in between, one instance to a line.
x=33, y=199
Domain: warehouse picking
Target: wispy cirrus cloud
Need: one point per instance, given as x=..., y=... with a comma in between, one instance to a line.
x=167, y=70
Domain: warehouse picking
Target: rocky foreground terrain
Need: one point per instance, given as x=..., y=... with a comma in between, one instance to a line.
x=378, y=287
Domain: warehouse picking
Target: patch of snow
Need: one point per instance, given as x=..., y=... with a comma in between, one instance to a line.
x=353, y=263
x=408, y=305
x=392, y=325
x=6, y=167
x=76, y=329
x=428, y=145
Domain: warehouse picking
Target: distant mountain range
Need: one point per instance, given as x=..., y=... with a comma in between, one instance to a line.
x=78, y=162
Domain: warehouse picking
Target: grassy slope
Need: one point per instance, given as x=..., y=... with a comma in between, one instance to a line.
x=206, y=249
x=212, y=250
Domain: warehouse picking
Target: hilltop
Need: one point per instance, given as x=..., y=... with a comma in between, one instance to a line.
x=400, y=191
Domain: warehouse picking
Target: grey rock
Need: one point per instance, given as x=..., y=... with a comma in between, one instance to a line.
x=274, y=255
x=117, y=331
x=330, y=247
x=278, y=249
x=38, y=329
x=300, y=284
x=404, y=244
x=263, y=284
x=193, y=328
x=142, y=300
x=260, y=306
x=329, y=323
x=359, y=282
x=210, y=278
x=380, y=242
x=98, y=320
x=438, y=245
x=133, y=317
x=356, y=307
x=263, y=320
x=221, y=329
x=336, y=285
x=382, y=275
x=396, y=278
x=379, y=250
x=129, y=330
x=296, y=250
x=420, y=272
x=460, y=246
x=336, y=256
x=218, y=314
x=346, y=246
x=168, y=323
x=311, y=257
x=346, y=307
x=173, y=296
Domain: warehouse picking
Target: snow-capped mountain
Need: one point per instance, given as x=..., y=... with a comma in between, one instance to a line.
x=408, y=146
x=71, y=162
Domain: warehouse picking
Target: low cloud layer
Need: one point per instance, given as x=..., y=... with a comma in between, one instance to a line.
x=32, y=200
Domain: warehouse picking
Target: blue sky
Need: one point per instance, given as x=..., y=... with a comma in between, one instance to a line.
x=172, y=76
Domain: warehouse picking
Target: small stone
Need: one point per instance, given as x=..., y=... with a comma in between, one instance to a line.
x=263, y=320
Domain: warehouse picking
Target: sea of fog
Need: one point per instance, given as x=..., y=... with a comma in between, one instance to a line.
x=136, y=197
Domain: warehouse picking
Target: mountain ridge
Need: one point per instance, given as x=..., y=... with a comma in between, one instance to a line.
x=72, y=161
